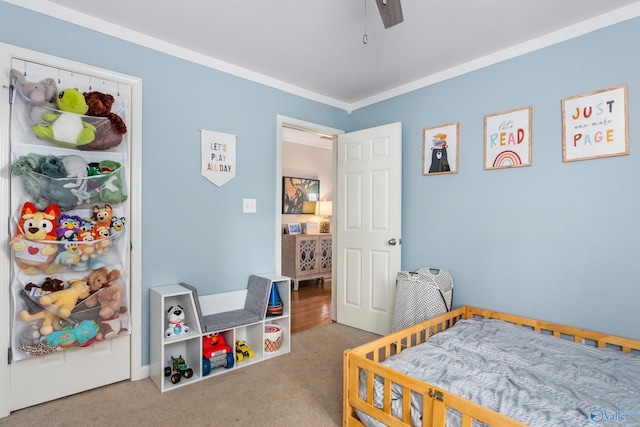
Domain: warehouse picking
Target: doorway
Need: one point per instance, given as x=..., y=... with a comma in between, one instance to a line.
x=314, y=303
x=311, y=305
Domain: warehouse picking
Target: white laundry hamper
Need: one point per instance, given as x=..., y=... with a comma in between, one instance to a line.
x=421, y=295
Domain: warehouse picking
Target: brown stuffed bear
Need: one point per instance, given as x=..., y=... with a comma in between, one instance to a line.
x=110, y=299
x=108, y=132
x=101, y=278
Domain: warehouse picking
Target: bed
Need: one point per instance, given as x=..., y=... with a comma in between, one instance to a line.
x=381, y=389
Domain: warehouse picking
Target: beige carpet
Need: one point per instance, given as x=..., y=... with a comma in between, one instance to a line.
x=302, y=388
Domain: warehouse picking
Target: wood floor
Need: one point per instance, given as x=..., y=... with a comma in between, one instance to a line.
x=311, y=305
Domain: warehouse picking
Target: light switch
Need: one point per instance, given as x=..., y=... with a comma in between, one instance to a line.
x=248, y=205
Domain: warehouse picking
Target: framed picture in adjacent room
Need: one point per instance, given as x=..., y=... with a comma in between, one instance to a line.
x=507, y=139
x=297, y=191
x=294, y=228
x=595, y=125
x=440, y=149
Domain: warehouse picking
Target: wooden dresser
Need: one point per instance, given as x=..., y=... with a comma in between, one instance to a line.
x=306, y=256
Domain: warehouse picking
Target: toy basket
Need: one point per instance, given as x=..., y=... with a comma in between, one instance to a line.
x=272, y=338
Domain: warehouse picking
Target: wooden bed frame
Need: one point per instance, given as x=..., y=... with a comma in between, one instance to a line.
x=435, y=400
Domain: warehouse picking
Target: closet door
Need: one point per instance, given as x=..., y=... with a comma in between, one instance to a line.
x=54, y=354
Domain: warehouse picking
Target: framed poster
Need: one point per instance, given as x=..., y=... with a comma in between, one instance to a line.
x=507, y=139
x=296, y=191
x=595, y=125
x=440, y=149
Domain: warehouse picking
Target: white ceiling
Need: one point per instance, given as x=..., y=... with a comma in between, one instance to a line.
x=315, y=47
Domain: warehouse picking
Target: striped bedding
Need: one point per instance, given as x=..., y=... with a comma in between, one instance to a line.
x=535, y=378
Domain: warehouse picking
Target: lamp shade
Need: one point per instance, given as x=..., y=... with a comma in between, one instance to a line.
x=324, y=208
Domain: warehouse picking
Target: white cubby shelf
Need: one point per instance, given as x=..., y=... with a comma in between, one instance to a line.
x=190, y=345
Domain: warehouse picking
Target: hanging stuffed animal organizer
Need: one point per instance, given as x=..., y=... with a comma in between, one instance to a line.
x=68, y=192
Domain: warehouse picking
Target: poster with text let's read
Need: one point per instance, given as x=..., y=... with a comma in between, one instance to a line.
x=595, y=125
x=507, y=139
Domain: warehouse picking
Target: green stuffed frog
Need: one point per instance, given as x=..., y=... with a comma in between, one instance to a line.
x=67, y=128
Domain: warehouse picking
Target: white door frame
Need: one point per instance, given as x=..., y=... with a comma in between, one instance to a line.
x=314, y=127
x=135, y=129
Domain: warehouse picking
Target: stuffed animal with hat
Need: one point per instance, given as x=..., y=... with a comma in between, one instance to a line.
x=41, y=95
x=67, y=128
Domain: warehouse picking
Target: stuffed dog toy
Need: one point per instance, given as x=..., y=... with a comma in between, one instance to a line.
x=175, y=316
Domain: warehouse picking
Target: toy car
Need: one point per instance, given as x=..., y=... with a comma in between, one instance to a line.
x=179, y=369
x=216, y=350
x=242, y=351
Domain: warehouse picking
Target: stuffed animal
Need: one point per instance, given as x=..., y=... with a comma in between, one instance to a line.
x=68, y=227
x=41, y=95
x=39, y=349
x=67, y=128
x=111, y=188
x=113, y=326
x=110, y=299
x=102, y=216
x=88, y=247
x=69, y=256
x=98, y=279
x=87, y=238
x=53, y=179
x=175, y=316
x=68, y=336
x=29, y=245
x=57, y=191
x=49, y=320
x=105, y=182
x=77, y=168
x=49, y=285
x=117, y=225
x=36, y=182
x=66, y=299
x=109, y=126
x=29, y=334
x=103, y=239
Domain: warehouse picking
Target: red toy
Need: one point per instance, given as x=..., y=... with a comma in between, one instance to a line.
x=217, y=351
x=213, y=345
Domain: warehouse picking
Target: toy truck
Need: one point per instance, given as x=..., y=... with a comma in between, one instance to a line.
x=243, y=351
x=178, y=369
x=217, y=352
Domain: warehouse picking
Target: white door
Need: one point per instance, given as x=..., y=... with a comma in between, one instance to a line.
x=369, y=191
x=104, y=362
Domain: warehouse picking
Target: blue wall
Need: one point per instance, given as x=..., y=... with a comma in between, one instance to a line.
x=557, y=241
x=192, y=231
x=554, y=240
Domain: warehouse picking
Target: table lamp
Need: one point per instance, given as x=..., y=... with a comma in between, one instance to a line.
x=324, y=210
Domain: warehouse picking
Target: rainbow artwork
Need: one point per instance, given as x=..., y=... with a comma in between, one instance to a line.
x=507, y=158
x=508, y=139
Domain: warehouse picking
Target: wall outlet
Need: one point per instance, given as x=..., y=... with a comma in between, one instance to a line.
x=248, y=205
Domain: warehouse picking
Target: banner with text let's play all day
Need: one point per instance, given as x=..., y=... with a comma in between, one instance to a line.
x=218, y=156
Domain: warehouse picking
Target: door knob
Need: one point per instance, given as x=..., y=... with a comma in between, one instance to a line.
x=392, y=242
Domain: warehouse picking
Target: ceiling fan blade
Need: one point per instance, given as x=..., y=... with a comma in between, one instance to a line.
x=390, y=12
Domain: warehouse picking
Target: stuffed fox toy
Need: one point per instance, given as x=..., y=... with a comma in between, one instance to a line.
x=29, y=244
